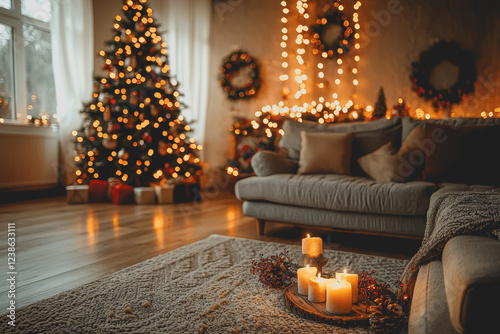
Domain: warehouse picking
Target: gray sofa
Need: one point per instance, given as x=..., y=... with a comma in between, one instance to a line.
x=341, y=202
x=460, y=292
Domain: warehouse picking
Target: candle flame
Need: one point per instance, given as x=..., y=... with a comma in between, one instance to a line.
x=308, y=236
x=338, y=279
x=345, y=271
x=307, y=267
x=319, y=275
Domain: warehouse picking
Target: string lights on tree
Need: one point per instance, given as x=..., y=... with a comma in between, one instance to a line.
x=133, y=129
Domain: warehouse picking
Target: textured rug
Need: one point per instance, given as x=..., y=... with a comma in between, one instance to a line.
x=205, y=287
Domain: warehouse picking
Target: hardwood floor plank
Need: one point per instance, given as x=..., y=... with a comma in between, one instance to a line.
x=60, y=246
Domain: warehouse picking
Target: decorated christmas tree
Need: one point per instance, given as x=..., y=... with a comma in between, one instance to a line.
x=380, y=109
x=133, y=128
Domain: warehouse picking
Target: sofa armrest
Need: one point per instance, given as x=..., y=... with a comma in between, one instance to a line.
x=471, y=268
x=265, y=163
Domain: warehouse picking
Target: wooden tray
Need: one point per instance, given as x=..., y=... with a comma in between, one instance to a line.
x=299, y=305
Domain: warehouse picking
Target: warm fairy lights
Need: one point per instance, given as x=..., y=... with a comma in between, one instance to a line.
x=323, y=110
x=121, y=133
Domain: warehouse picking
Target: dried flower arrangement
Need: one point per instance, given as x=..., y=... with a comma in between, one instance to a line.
x=276, y=271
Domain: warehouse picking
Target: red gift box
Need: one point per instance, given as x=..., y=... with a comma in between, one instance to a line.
x=123, y=194
x=98, y=191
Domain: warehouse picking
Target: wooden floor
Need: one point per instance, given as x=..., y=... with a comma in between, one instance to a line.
x=61, y=246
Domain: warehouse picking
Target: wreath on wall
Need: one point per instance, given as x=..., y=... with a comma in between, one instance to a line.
x=239, y=76
x=331, y=34
x=444, y=74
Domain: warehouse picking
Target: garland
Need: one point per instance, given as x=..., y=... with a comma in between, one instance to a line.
x=339, y=46
x=440, y=52
x=231, y=65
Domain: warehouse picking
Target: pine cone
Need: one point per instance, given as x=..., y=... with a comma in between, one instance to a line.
x=387, y=317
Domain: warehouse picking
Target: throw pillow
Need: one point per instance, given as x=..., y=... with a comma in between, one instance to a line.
x=325, y=153
x=369, y=141
x=462, y=154
x=381, y=165
x=385, y=165
x=290, y=141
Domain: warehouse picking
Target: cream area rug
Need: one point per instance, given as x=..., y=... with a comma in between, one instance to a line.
x=205, y=287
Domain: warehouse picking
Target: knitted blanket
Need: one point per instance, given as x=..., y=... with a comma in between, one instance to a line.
x=453, y=214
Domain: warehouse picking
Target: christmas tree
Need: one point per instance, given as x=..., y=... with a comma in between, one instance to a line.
x=380, y=107
x=132, y=127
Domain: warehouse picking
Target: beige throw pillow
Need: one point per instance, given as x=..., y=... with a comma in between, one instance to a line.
x=385, y=165
x=325, y=153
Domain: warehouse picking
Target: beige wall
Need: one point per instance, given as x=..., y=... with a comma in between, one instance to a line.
x=391, y=43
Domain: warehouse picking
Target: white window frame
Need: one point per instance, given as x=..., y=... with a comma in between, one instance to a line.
x=15, y=19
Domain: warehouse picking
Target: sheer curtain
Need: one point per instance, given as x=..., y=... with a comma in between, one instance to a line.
x=185, y=25
x=72, y=31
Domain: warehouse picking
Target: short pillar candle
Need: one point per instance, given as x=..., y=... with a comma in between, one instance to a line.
x=317, y=289
x=303, y=275
x=351, y=278
x=339, y=297
x=312, y=247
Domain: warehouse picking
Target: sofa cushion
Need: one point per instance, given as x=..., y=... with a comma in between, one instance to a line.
x=266, y=163
x=339, y=193
x=410, y=123
x=366, y=142
x=353, y=221
x=324, y=153
x=471, y=267
x=459, y=154
x=291, y=141
x=429, y=307
x=385, y=165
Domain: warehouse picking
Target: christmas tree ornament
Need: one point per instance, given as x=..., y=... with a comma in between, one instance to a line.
x=122, y=154
x=109, y=143
x=154, y=110
x=125, y=38
x=90, y=131
x=147, y=138
x=113, y=127
x=140, y=26
x=104, y=98
x=107, y=114
x=162, y=148
x=130, y=62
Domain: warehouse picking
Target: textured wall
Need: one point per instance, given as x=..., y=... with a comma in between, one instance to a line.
x=394, y=33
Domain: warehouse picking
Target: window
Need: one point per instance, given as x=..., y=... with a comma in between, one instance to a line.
x=27, y=90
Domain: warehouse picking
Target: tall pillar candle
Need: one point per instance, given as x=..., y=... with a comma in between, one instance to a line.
x=312, y=247
x=339, y=297
x=351, y=278
x=303, y=275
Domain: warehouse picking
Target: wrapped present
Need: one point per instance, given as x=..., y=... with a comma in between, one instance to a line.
x=98, y=191
x=76, y=194
x=165, y=193
x=112, y=182
x=144, y=195
x=187, y=192
x=123, y=194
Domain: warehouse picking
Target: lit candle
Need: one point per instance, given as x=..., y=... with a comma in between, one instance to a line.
x=317, y=289
x=351, y=278
x=313, y=247
x=303, y=275
x=339, y=297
